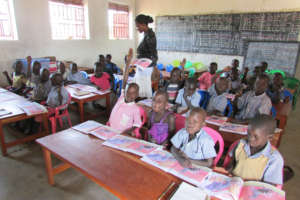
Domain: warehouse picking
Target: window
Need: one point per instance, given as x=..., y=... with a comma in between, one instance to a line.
x=8, y=30
x=68, y=20
x=118, y=21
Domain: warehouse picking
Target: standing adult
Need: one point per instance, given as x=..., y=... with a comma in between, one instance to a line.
x=147, y=48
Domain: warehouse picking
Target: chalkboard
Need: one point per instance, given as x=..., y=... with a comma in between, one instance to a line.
x=224, y=34
x=279, y=55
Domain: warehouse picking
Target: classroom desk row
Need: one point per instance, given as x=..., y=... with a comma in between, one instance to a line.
x=9, y=102
x=121, y=173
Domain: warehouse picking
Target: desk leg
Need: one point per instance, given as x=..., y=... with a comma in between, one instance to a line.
x=81, y=111
x=108, y=104
x=2, y=140
x=45, y=124
x=49, y=169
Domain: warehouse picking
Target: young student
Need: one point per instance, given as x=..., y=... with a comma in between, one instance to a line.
x=255, y=101
x=161, y=122
x=77, y=77
x=174, y=85
x=218, y=101
x=254, y=158
x=276, y=90
x=235, y=81
x=58, y=95
x=188, y=96
x=125, y=115
x=264, y=67
x=111, y=67
x=207, y=78
x=192, y=146
x=43, y=87
x=100, y=79
x=63, y=71
x=35, y=75
x=19, y=80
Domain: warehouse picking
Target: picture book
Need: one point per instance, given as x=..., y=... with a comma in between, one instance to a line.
x=87, y=127
x=190, y=192
x=3, y=90
x=104, y=132
x=234, y=128
x=84, y=87
x=142, y=62
x=4, y=112
x=216, y=120
x=234, y=188
x=133, y=145
x=101, y=92
x=8, y=96
x=81, y=92
x=32, y=108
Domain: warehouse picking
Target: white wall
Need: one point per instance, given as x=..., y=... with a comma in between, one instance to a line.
x=194, y=7
x=34, y=31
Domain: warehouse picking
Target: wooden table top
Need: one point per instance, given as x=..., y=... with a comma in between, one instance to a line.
x=121, y=173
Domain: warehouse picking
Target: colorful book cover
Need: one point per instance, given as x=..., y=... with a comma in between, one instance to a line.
x=87, y=126
x=120, y=142
x=32, y=108
x=222, y=186
x=234, y=128
x=216, y=120
x=142, y=148
x=104, y=133
x=84, y=87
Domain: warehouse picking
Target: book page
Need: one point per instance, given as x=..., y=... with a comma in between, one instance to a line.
x=234, y=128
x=32, y=108
x=104, y=132
x=216, y=120
x=187, y=191
x=87, y=126
x=87, y=88
x=253, y=190
x=120, y=142
x=221, y=186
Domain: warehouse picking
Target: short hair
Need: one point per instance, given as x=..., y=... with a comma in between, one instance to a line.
x=191, y=81
x=214, y=63
x=264, y=77
x=108, y=55
x=174, y=70
x=264, y=64
x=134, y=85
x=143, y=19
x=199, y=111
x=263, y=121
x=162, y=92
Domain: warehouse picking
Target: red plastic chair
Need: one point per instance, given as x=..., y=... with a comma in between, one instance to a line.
x=217, y=138
x=228, y=158
x=58, y=113
x=179, y=122
x=144, y=120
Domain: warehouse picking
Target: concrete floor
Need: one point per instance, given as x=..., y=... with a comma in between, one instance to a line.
x=23, y=176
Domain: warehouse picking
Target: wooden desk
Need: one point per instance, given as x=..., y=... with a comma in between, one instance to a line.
x=80, y=100
x=123, y=174
x=19, y=115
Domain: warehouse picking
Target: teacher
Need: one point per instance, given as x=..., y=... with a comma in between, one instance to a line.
x=147, y=48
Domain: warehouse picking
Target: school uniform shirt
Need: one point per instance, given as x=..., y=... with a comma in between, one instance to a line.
x=250, y=105
x=200, y=148
x=111, y=68
x=216, y=102
x=41, y=91
x=205, y=80
x=276, y=96
x=265, y=165
x=65, y=74
x=53, y=97
x=195, y=98
x=125, y=115
x=79, y=78
x=147, y=48
x=33, y=80
x=235, y=84
x=18, y=80
x=102, y=82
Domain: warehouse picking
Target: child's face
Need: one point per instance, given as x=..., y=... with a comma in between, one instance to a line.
x=175, y=77
x=108, y=59
x=36, y=69
x=257, y=138
x=18, y=67
x=45, y=75
x=74, y=69
x=221, y=86
x=56, y=80
x=131, y=94
x=62, y=68
x=213, y=69
x=190, y=89
x=159, y=103
x=261, y=86
x=194, y=123
x=235, y=63
x=277, y=81
x=99, y=70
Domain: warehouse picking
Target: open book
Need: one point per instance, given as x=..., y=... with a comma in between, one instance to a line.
x=227, y=188
x=234, y=128
x=32, y=108
x=86, y=88
x=165, y=161
x=187, y=191
x=4, y=112
x=104, y=132
x=87, y=127
x=216, y=120
x=129, y=144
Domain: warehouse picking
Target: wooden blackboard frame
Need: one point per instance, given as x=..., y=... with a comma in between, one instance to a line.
x=246, y=45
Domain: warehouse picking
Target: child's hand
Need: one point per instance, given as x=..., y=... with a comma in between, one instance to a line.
x=186, y=163
x=99, y=88
x=182, y=63
x=5, y=73
x=246, y=69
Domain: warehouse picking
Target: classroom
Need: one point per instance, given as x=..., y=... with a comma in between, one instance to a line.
x=136, y=81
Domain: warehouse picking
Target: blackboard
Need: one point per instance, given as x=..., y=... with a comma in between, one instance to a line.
x=278, y=55
x=224, y=34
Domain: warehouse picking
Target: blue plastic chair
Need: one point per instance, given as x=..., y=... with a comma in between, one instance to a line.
x=169, y=68
x=288, y=94
x=160, y=66
x=228, y=109
x=85, y=75
x=204, y=98
x=273, y=112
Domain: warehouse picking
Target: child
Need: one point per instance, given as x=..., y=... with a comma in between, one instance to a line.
x=43, y=87
x=35, y=76
x=254, y=158
x=58, y=94
x=236, y=84
x=125, y=115
x=18, y=81
x=100, y=79
x=276, y=90
x=254, y=102
x=161, y=122
x=63, y=71
x=77, y=77
x=207, y=78
x=188, y=96
x=111, y=67
x=218, y=101
x=192, y=145
x=174, y=85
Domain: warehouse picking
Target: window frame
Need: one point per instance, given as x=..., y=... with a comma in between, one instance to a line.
x=12, y=20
